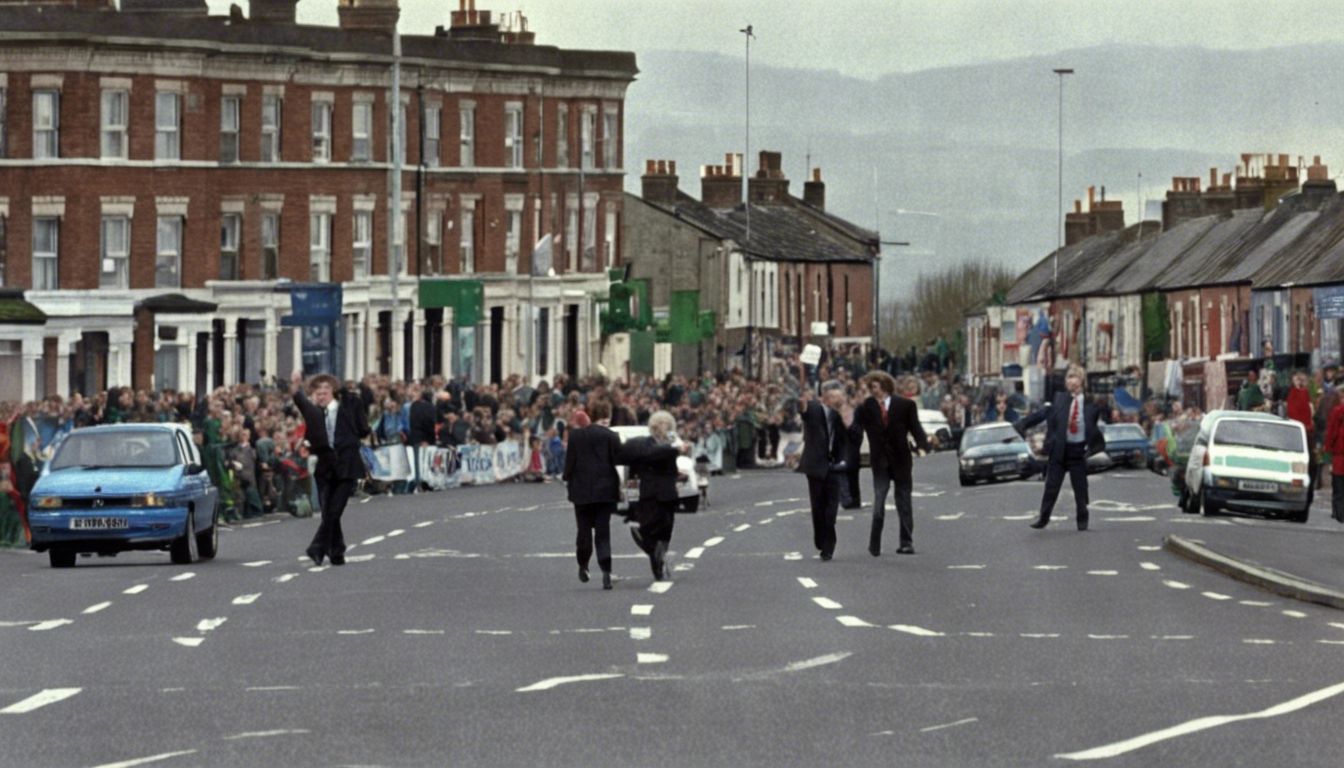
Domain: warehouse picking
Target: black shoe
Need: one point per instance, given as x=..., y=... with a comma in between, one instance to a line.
x=875, y=551
x=1040, y=522
x=660, y=557
x=852, y=506
x=825, y=556
x=606, y=581
x=338, y=559
x=583, y=574
x=905, y=549
x=316, y=555
x=1082, y=523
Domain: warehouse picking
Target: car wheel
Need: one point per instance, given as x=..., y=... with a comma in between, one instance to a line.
x=207, y=542
x=690, y=504
x=61, y=558
x=965, y=481
x=1211, y=508
x=183, y=550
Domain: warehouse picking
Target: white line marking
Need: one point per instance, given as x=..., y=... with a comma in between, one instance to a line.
x=641, y=633
x=137, y=589
x=1050, y=567
x=1337, y=624
x=913, y=630
x=319, y=568
x=1175, y=584
x=741, y=527
x=807, y=583
x=1331, y=642
x=767, y=521
x=246, y=599
x=1134, y=519
x=98, y=607
x=354, y=631
x=265, y=688
x=714, y=542
x=1149, y=548
x=1173, y=637
x=1031, y=516
x=549, y=683
x=424, y=524
x=732, y=627
x=207, y=625
x=1216, y=596
x=1108, y=637
x=397, y=532
x=1039, y=635
x=853, y=621
x=43, y=626
x=694, y=552
x=679, y=567
x=956, y=516
x=1255, y=603
x=39, y=700
x=1295, y=614
x=493, y=631
x=819, y=661
x=1103, y=573
x=967, y=721
x=360, y=558
x=265, y=734
x=965, y=567
x=641, y=610
x=284, y=577
x=978, y=634
x=1200, y=724
x=650, y=658
x=373, y=540
x=146, y=760
x=422, y=631
x=827, y=603
x=660, y=587
x=794, y=556
x=190, y=642
x=256, y=563
x=1258, y=641
x=1150, y=566
x=183, y=576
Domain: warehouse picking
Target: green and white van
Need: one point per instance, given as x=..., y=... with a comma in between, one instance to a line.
x=1248, y=462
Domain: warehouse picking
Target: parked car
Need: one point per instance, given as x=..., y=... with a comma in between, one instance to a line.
x=994, y=451
x=692, y=485
x=120, y=487
x=1248, y=461
x=1126, y=446
x=936, y=429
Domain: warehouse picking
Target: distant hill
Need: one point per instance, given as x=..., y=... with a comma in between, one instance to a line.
x=976, y=145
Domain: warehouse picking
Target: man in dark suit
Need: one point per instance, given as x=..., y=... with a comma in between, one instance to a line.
x=335, y=421
x=825, y=434
x=594, y=486
x=1071, y=436
x=891, y=422
x=420, y=432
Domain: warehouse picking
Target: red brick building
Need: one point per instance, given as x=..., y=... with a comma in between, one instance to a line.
x=158, y=194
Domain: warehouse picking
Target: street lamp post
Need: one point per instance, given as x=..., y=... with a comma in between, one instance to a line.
x=1059, y=221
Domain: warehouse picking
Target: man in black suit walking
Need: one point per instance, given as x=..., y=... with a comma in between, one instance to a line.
x=1071, y=435
x=890, y=422
x=594, y=486
x=335, y=421
x=825, y=434
x=420, y=432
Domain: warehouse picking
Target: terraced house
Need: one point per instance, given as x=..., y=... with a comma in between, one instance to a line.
x=170, y=181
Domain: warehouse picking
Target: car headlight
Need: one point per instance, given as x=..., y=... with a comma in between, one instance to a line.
x=47, y=502
x=149, y=500
x=968, y=463
x=1223, y=482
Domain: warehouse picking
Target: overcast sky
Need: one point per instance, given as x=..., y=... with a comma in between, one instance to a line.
x=871, y=37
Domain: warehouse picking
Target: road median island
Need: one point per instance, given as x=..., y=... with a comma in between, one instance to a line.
x=1278, y=582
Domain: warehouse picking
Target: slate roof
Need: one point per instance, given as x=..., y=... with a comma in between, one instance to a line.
x=15, y=310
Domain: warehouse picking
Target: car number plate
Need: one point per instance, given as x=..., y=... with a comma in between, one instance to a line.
x=98, y=523
x=1257, y=485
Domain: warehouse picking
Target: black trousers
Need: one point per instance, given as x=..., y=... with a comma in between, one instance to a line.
x=332, y=495
x=824, y=494
x=594, y=523
x=905, y=510
x=853, y=498
x=1337, y=497
x=1075, y=464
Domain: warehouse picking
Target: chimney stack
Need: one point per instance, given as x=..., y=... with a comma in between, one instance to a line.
x=814, y=191
x=659, y=182
x=721, y=185
x=368, y=15
x=769, y=185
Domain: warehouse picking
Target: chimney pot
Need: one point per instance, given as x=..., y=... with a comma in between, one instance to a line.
x=672, y=167
x=1077, y=206
x=816, y=174
x=650, y=166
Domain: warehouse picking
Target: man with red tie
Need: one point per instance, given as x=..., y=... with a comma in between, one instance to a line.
x=1071, y=435
x=891, y=422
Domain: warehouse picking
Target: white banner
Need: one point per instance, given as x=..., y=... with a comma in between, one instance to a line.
x=508, y=460
x=440, y=468
x=389, y=463
x=477, y=464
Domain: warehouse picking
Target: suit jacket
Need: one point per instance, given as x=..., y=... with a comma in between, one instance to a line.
x=889, y=444
x=590, y=465
x=342, y=460
x=421, y=428
x=819, y=453
x=1056, y=418
x=654, y=463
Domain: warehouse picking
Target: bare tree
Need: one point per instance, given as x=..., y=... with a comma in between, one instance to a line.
x=939, y=301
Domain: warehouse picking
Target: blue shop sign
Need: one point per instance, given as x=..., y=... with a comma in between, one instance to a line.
x=314, y=304
x=1329, y=302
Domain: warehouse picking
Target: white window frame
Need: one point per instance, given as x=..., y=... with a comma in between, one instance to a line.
x=319, y=247
x=589, y=260
x=113, y=138
x=321, y=139
x=562, y=135
x=467, y=241
x=433, y=263
x=513, y=236
x=513, y=135
x=230, y=131
x=46, y=124
x=274, y=105
x=609, y=237
x=611, y=139
x=361, y=127
x=167, y=127
x=47, y=262
x=168, y=252
x=361, y=257
x=466, y=112
x=231, y=242
x=587, y=135
x=433, y=130
x=571, y=234
x=114, y=254
x=270, y=245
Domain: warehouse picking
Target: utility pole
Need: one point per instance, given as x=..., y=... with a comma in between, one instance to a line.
x=746, y=197
x=1059, y=222
x=394, y=219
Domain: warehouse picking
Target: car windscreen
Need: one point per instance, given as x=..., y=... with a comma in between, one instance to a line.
x=116, y=449
x=1265, y=435
x=1123, y=432
x=1004, y=434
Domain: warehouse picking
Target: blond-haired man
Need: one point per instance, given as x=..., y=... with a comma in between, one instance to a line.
x=1071, y=435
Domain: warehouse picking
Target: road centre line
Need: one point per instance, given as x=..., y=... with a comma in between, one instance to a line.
x=1118, y=748
x=1150, y=566
x=256, y=563
x=641, y=610
x=1255, y=603
x=147, y=760
x=741, y=527
x=1175, y=584
x=932, y=728
x=965, y=567
x=1103, y=573
x=43, y=626
x=913, y=630
x=694, y=552
x=246, y=599
x=265, y=734
x=714, y=542
x=1295, y=614
x=827, y=603
x=39, y=700
x=98, y=607
x=183, y=576
x=137, y=589
x=853, y=621
x=1216, y=596
x=424, y=524
x=807, y=583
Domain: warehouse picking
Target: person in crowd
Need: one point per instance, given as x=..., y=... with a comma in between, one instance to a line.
x=594, y=487
x=336, y=422
x=1072, y=434
x=1250, y=397
x=653, y=459
x=1299, y=407
x=420, y=433
x=824, y=436
x=1334, y=444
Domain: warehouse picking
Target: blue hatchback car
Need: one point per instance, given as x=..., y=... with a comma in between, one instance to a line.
x=121, y=487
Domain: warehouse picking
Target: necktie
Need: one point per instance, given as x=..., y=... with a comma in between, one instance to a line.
x=331, y=425
x=1073, y=418
x=883, y=405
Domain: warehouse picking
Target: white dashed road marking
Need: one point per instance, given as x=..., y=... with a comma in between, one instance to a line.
x=256, y=564
x=827, y=603
x=97, y=608
x=641, y=610
x=714, y=542
x=1103, y=573
x=741, y=527
x=147, y=760
x=208, y=625
x=183, y=576
x=965, y=567
x=820, y=661
x=1216, y=596
x=641, y=633
x=651, y=658
x=39, y=700
x=549, y=683
x=1176, y=584
x=694, y=552
x=373, y=540
x=246, y=599
x=1150, y=566
x=43, y=626
x=190, y=642
x=853, y=621
x=917, y=631
x=266, y=734
x=424, y=524
x=807, y=583
x=660, y=587
x=137, y=589
x=932, y=728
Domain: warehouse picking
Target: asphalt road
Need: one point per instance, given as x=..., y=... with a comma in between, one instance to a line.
x=458, y=634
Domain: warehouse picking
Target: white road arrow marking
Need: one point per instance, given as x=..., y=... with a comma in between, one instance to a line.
x=39, y=700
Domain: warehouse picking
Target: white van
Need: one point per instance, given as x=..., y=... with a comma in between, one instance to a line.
x=1248, y=461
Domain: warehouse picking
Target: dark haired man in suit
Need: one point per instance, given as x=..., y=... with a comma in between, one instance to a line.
x=594, y=486
x=825, y=435
x=1071, y=435
x=890, y=421
x=335, y=421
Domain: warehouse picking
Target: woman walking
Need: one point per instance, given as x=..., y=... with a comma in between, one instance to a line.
x=654, y=460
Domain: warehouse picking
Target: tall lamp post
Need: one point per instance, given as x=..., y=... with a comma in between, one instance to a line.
x=746, y=196
x=1059, y=221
